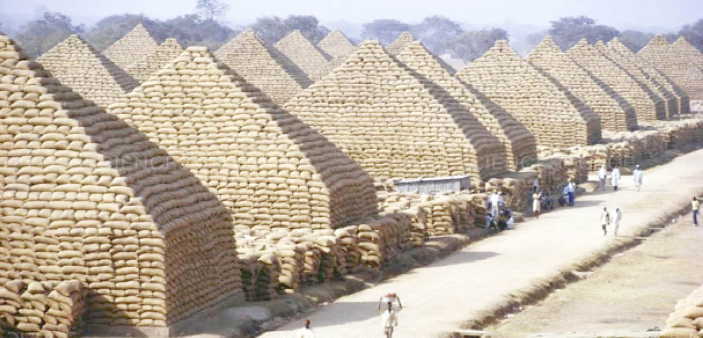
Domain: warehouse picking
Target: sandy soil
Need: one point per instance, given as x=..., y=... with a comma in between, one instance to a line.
x=635, y=291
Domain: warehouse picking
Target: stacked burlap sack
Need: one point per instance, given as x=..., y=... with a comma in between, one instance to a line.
x=648, y=106
x=312, y=60
x=534, y=100
x=399, y=130
x=132, y=47
x=654, y=74
x=687, y=318
x=263, y=66
x=336, y=44
x=675, y=65
x=142, y=69
x=38, y=308
x=500, y=139
x=78, y=65
x=615, y=113
x=651, y=87
x=87, y=197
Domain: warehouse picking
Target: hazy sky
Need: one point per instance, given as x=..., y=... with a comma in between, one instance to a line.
x=621, y=14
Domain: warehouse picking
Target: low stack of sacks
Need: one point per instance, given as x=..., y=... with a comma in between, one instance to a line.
x=687, y=318
x=435, y=215
x=40, y=309
x=383, y=238
x=515, y=186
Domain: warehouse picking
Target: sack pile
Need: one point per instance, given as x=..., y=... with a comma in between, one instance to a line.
x=265, y=165
x=98, y=214
x=132, y=47
x=336, y=44
x=312, y=60
x=676, y=65
x=687, y=318
x=394, y=130
x=142, y=69
x=509, y=81
x=260, y=271
x=652, y=88
x=653, y=74
x=78, y=65
x=499, y=139
x=615, y=113
x=400, y=43
x=263, y=66
x=40, y=309
x=682, y=46
x=648, y=108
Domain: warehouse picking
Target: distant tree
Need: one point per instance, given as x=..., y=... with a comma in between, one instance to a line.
x=384, y=30
x=435, y=32
x=190, y=30
x=38, y=36
x=567, y=31
x=470, y=45
x=694, y=33
x=111, y=28
x=210, y=10
x=308, y=25
x=635, y=40
x=273, y=28
x=671, y=37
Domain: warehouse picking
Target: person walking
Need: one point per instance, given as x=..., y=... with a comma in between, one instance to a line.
x=537, y=202
x=305, y=332
x=571, y=188
x=615, y=178
x=637, y=176
x=602, y=176
x=615, y=218
x=695, y=205
x=604, y=220
x=389, y=317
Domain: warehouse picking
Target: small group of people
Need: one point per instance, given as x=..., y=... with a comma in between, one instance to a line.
x=637, y=175
x=610, y=218
x=498, y=217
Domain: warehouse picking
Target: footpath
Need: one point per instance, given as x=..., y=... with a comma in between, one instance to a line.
x=483, y=280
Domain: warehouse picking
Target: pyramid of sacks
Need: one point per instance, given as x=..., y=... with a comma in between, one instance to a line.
x=87, y=197
x=615, y=113
x=267, y=167
x=308, y=57
x=263, y=66
x=132, y=47
x=78, y=65
x=336, y=44
x=682, y=46
x=678, y=67
x=531, y=98
x=386, y=120
x=652, y=73
x=403, y=40
x=653, y=88
x=151, y=63
x=516, y=140
x=649, y=107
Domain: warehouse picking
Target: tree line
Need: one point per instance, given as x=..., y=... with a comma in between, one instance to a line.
x=205, y=27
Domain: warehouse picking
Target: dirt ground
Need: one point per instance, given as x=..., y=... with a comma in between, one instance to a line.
x=635, y=291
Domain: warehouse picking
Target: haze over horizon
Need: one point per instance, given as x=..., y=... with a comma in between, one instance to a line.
x=650, y=15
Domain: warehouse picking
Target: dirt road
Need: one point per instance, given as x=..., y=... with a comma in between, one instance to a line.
x=635, y=291
x=442, y=296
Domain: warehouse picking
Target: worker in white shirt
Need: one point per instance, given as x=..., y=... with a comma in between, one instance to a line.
x=602, y=176
x=496, y=203
x=389, y=318
x=571, y=189
x=615, y=178
x=637, y=177
x=305, y=332
x=615, y=219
